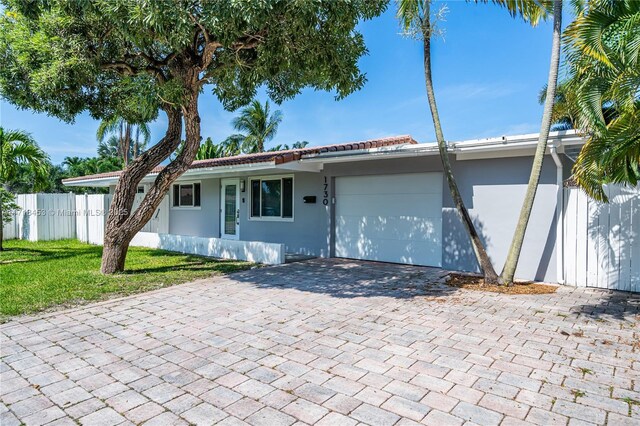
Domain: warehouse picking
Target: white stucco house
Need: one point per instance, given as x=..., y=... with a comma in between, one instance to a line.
x=380, y=200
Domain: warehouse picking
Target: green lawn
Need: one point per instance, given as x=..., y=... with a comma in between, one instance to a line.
x=37, y=276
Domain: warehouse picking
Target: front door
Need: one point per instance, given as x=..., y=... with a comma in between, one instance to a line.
x=230, y=210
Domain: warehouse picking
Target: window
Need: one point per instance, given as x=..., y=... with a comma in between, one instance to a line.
x=140, y=190
x=272, y=198
x=186, y=195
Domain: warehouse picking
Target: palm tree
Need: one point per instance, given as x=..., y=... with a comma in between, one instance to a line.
x=258, y=126
x=208, y=149
x=603, y=45
x=415, y=18
x=16, y=149
x=566, y=113
x=511, y=263
x=232, y=145
x=109, y=147
x=74, y=166
x=130, y=138
x=563, y=116
x=140, y=140
x=285, y=147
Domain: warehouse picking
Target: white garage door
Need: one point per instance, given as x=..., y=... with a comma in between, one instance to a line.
x=390, y=218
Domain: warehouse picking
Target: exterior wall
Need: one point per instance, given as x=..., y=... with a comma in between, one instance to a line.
x=307, y=234
x=493, y=190
x=199, y=222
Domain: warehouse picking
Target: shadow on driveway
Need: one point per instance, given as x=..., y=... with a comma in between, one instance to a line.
x=610, y=304
x=345, y=278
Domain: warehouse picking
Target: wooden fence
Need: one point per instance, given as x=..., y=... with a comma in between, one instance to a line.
x=602, y=241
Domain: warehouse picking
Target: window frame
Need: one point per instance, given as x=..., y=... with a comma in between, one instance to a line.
x=271, y=218
x=187, y=207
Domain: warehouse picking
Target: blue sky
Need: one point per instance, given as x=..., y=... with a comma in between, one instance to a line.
x=488, y=70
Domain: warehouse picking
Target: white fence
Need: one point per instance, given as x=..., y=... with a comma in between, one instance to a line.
x=42, y=217
x=92, y=215
x=602, y=241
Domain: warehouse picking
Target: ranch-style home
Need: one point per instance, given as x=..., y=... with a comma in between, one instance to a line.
x=381, y=200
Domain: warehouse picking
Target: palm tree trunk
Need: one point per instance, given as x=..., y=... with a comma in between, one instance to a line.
x=490, y=275
x=136, y=146
x=121, y=140
x=510, y=265
x=126, y=151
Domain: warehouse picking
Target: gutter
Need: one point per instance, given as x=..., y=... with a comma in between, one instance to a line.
x=559, y=212
x=412, y=150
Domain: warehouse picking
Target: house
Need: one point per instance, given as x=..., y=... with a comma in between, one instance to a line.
x=382, y=200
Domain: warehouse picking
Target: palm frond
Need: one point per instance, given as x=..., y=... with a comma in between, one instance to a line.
x=531, y=11
x=18, y=148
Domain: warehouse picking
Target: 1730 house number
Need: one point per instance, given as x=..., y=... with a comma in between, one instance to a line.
x=325, y=195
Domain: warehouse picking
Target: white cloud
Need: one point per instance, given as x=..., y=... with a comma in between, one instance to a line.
x=469, y=91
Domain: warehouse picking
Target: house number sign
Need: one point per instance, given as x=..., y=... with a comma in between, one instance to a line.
x=325, y=194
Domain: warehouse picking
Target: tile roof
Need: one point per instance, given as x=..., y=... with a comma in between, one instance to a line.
x=277, y=157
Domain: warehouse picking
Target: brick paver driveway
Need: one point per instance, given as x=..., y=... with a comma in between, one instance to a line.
x=327, y=342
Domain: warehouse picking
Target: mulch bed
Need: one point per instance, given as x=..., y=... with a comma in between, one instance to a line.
x=472, y=282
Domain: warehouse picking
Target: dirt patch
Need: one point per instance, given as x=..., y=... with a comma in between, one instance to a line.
x=471, y=282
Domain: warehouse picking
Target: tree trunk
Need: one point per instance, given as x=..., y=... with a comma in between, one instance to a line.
x=122, y=225
x=490, y=275
x=135, y=142
x=510, y=265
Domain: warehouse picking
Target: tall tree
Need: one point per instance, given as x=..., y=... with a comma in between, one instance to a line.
x=116, y=133
x=566, y=113
x=18, y=148
x=603, y=57
x=208, y=149
x=295, y=145
x=107, y=57
x=511, y=263
x=563, y=116
x=258, y=126
x=231, y=146
x=415, y=18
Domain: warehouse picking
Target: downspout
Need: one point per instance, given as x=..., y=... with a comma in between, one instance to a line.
x=559, y=213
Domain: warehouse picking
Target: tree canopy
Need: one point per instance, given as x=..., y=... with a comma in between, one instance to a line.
x=603, y=57
x=132, y=59
x=109, y=57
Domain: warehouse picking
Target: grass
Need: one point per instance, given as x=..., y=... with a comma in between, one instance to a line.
x=42, y=275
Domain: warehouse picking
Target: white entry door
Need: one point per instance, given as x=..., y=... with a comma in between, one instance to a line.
x=230, y=209
x=390, y=218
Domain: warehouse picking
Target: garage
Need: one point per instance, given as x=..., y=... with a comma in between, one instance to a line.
x=390, y=218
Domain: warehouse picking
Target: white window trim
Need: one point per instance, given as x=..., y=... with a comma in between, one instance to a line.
x=271, y=218
x=190, y=182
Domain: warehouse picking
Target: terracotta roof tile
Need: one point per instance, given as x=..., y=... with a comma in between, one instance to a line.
x=278, y=157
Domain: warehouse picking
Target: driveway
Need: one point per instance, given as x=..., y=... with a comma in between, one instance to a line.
x=327, y=342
